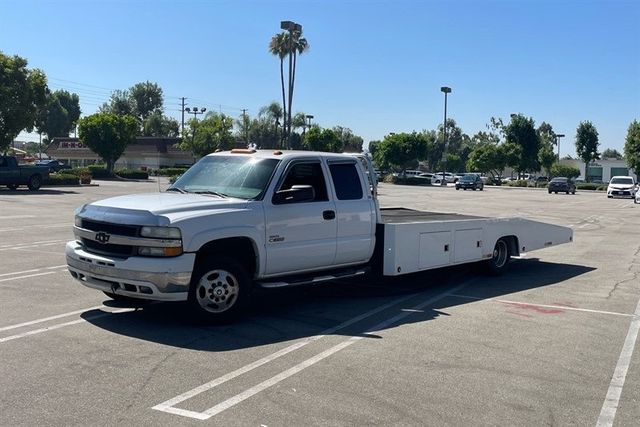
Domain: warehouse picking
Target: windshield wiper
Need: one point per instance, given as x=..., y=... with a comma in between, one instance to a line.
x=179, y=190
x=211, y=193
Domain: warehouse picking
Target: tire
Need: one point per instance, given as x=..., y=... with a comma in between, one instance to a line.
x=556, y=192
x=474, y=189
x=457, y=188
x=567, y=192
x=482, y=188
x=573, y=192
x=500, y=259
x=635, y=200
x=34, y=183
x=220, y=290
x=13, y=187
x=117, y=297
x=549, y=191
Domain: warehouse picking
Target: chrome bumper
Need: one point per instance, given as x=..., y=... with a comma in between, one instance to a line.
x=161, y=279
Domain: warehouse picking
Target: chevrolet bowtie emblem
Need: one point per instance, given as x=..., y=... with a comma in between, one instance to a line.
x=102, y=237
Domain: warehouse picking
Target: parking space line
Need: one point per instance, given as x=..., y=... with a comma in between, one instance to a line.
x=31, y=245
x=611, y=401
x=60, y=225
x=32, y=270
x=168, y=405
x=47, y=319
x=30, y=275
x=62, y=325
x=528, y=304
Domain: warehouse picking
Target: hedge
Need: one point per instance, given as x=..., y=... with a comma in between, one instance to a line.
x=62, y=179
x=590, y=186
x=131, y=174
x=169, y=171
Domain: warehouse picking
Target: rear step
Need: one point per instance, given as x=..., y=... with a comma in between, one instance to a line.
x=311, y=279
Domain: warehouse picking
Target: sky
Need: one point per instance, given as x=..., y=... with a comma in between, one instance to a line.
x=373, y=66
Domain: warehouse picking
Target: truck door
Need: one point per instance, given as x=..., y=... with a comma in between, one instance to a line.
x=356, y=213
x=301, y=235
x=9, y=171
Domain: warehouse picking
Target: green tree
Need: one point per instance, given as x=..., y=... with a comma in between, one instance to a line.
x=546, y=134
x=587, y=144
x=351, y=143
x=401, y=151
x=120, y=103
x=632, y=146
x=611, y=154
x=546, y=157
x=564, y=171
x=60, y=114
x=317, y=139
x=521, y=132
x=108, y=135
x=212, y=133
x=23, y=92
x=147, y=99
x=488, y=157
x=373, y=147
x=159, y=125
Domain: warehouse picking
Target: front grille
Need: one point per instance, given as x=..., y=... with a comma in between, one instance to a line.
x=120, y=251
x=109, y=249
x=122, y=230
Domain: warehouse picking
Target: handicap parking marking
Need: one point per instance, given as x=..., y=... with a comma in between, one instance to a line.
x=169, y=405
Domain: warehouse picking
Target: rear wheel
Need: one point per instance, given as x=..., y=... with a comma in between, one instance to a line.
x=501, y=255
x=34, y=183
x=220, y=289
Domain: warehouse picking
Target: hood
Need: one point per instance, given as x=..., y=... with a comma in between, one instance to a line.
x=156, y=208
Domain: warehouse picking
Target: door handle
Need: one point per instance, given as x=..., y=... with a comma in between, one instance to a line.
x=328, y=215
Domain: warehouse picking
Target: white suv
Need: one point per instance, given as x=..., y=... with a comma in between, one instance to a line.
x=622, y=186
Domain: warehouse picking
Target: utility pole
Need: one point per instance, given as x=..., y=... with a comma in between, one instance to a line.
x=183, y=105
x=246, y=126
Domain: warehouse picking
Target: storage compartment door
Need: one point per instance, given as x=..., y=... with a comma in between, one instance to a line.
x=468, y=245
x=435, y=249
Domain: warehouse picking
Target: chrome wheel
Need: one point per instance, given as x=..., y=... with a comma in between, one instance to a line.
x=217, y=291
x=500, y=255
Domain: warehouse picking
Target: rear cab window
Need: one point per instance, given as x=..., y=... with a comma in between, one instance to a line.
x=346, y=181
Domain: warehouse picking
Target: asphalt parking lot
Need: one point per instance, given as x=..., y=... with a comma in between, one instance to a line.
x=549, y=343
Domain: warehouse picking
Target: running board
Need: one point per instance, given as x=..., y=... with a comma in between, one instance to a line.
x=312, y=280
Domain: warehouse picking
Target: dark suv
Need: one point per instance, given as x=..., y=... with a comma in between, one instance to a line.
x=53, y=165
x=561, y=184
x=470, y=181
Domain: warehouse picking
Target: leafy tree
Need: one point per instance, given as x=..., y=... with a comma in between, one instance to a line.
x=611, y=154
x=317, y=139
x=373, y=147
x=147, y=98
x=60, y=114
x=632, y=146
x=454, y=136
x=546, y=134
x=120, y=103
x=522, y=133
x=157, y=124
x=401, y=150
x=108, y=135
x=23, y=92
x=351, y=143
x=546, y=157
x=488, y=157
x=587, y=144
x=212, y=133
x=559, y=169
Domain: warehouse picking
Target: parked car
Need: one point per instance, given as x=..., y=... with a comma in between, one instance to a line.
x=622, y=186
x=470, y=181
x=449, y=177
x=53, y=165
x=561, y=184
x=637, y=198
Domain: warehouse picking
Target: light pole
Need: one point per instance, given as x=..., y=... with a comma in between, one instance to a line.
x=307, y=123
x=558, y=136
x=446, y=90
x=291, y=27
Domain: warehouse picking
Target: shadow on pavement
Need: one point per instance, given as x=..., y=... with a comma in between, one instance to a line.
x=290, y=314
x=41, y=192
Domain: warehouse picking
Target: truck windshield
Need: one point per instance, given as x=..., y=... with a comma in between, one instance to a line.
x=227, y=176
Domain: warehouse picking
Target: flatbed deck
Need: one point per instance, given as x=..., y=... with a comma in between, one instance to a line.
x=403, y=216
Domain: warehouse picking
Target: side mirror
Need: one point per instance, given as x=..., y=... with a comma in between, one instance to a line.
x=296, y=194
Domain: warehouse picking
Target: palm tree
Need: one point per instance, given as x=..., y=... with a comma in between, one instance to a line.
x=298, y=46
x=278, y=47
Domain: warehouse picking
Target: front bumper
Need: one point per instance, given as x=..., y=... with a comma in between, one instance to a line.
x=161, y=279
x=621, y=193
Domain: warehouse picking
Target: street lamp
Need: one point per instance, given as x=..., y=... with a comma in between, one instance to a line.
x=195, y=111
x=558, y=136
x=446, y=90
x=291, y=27
x=307, y=124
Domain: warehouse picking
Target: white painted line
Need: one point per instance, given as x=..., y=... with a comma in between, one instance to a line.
x=62, y=325
x=34, y=245
x=30, y=275
x=66, y=224
x=208, y=386
x=610, y=405
x=561, y=307
x=301, y=366
x=47, y=319
x=31, y=243
x=16, y=216
x=33, y=270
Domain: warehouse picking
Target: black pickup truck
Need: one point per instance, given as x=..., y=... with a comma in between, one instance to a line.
x=13, y=175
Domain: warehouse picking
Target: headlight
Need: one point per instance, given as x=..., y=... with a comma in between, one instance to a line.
x=78, y=221
x=161, y=232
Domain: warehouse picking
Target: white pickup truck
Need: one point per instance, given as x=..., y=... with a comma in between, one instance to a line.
x=247, y=218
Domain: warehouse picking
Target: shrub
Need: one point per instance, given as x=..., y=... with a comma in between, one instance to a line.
x=131, y=174
x=390, y=179
x=173, y=179
x=518, y=183
x=588, y=186
x=62, y=179
x=170, y=171
x=98, y=171
x=78, y=171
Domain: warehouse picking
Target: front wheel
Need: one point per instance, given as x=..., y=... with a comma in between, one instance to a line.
x=501, y=255
x=220, y=289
